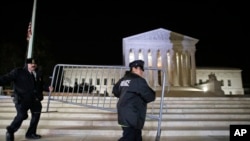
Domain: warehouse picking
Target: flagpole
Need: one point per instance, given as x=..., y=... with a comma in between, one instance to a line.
x=30, y=41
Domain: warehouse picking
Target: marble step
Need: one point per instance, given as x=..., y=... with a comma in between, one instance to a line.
x=181, y=117
x=53, y=121
x=116, y=130
x=168, y=110
x=167, y=116
x=115, y=138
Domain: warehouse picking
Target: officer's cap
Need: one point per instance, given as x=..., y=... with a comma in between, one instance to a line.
x=137, y=63
x=31, y=61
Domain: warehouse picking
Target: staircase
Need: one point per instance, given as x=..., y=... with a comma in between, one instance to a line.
x=183, y=117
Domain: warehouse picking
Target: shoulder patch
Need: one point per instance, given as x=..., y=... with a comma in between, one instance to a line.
x=125, y=83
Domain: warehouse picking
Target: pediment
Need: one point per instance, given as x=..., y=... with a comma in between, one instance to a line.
x=159, y=34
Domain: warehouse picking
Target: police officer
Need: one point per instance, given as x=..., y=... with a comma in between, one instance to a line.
x=134, y=94
x=28, y=94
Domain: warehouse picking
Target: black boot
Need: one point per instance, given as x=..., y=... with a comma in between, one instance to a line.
x=33, y=136
x=9, y=136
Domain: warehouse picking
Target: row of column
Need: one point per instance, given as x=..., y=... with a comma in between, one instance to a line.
x=178, y=63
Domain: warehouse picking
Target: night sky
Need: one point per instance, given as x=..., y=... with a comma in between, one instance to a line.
x=78, y=29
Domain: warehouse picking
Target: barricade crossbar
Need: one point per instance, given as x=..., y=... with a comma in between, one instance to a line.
x=91, y=86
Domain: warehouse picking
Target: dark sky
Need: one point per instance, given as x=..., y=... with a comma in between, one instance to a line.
x=91, y=33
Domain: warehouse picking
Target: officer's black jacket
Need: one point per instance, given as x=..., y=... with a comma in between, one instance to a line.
x=25, y=88
x=134, y=94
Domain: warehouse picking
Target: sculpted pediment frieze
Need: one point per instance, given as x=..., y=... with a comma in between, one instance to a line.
x=159, y=34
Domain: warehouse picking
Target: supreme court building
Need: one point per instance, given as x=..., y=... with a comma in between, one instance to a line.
x=175, y=53
x=160, y=48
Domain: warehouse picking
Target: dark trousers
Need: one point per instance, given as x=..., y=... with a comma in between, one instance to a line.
x=131, y=134
x=22, y=108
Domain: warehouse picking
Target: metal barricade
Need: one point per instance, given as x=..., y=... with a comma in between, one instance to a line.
x=91, y=86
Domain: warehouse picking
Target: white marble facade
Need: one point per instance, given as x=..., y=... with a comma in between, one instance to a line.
x=175, y=53
x=230, y=77
x=170, y=51
x=164, y=49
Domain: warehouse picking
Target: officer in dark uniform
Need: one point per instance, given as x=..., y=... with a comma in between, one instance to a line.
x=134, y=94
x=28, y=94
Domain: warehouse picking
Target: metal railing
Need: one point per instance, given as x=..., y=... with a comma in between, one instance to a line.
x=91, y=86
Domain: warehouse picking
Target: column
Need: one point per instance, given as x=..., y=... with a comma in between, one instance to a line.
x=188, y=68
x=175, y=69
x=154, y=64
x=184, y=69
x=164, y=60
x=145, y=57
x=170, y=67
x=127, y=57
x=193, y=69
x=178, y=68
x=136, y=53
